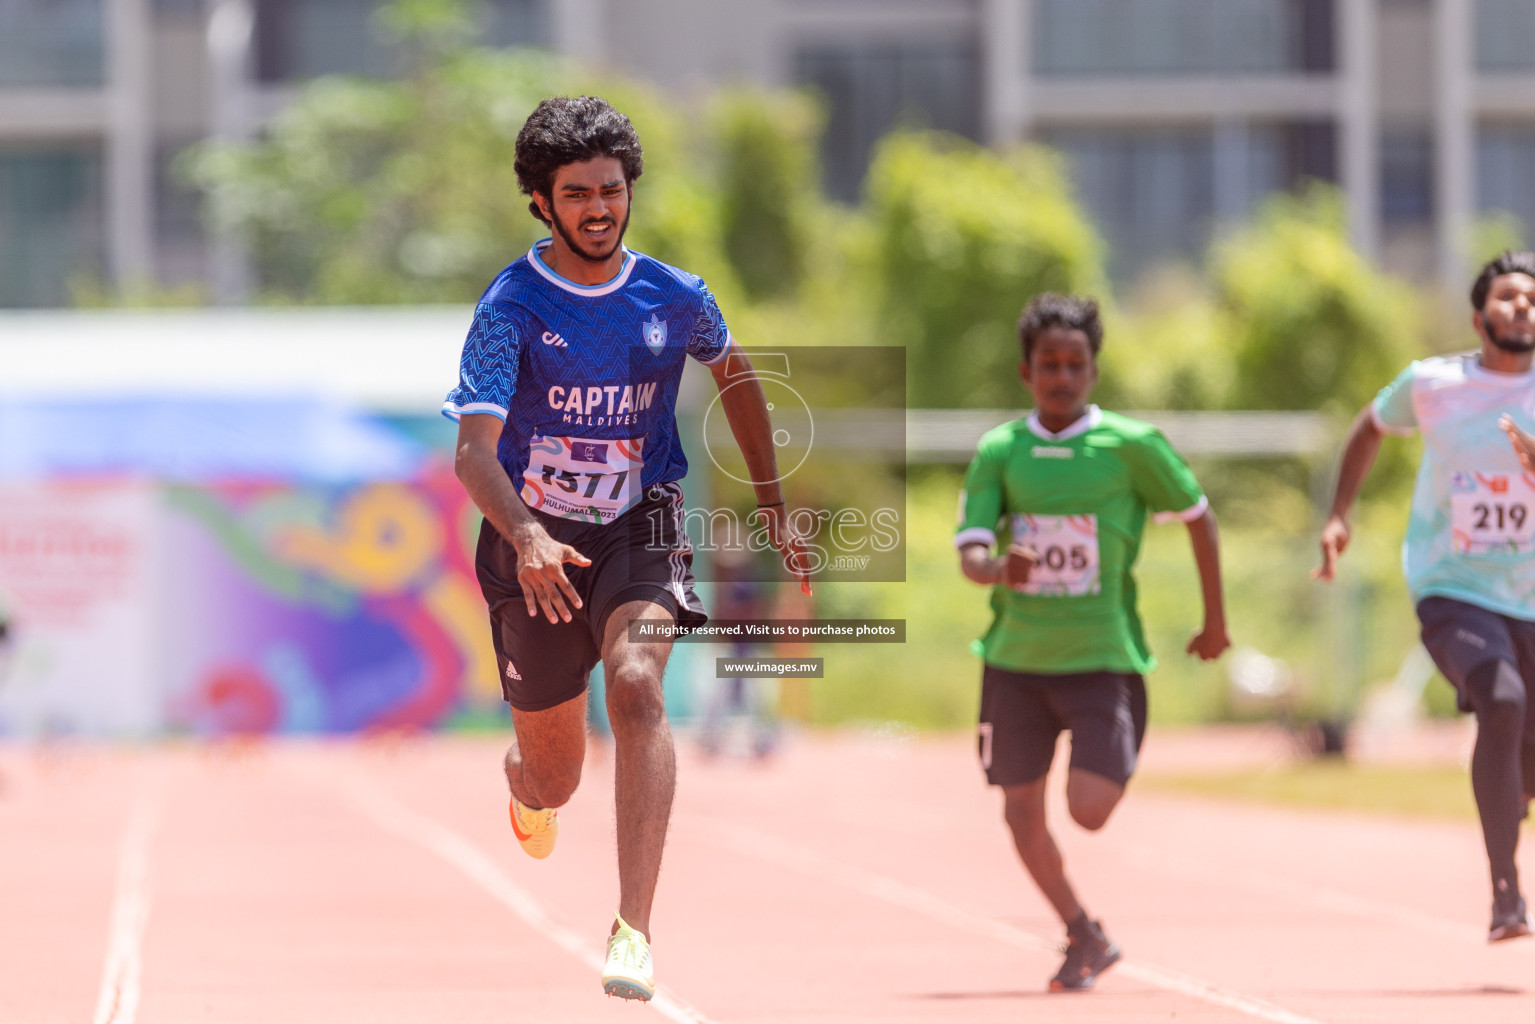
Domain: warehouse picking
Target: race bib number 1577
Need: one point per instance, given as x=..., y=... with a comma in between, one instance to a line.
x=589, y=480
x=1492, y=513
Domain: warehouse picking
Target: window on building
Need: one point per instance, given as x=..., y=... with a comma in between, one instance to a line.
x=519, y=23
x=51, y=222
x=870, y=88
x=1406, y=175
x=1504, y=155
x=1150, y=37
x=181, y=250
x=1158, y=194
x=1505, y=35
x=298, y=39
x=51, y=43
x=180, y=8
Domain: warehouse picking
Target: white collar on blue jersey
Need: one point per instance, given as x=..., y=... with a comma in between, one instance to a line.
x=607, y=288
x=1087, y=421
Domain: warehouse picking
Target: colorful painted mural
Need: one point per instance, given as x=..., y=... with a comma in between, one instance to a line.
x=324, y=609
x=238, y=608
x=227, y=567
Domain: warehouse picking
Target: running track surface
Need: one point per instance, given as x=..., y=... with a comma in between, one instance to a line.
x=856, y=879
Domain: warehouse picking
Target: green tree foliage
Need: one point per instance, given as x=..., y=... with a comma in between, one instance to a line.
x=1171, y=349
x=368, y=191
x=1312, y=324
x=964, y=237
x=375, y=192
x=769, y=186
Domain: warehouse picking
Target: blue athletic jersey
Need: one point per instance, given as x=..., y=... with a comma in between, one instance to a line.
x=585, y=379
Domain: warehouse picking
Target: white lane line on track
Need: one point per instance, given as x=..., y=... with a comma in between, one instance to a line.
x=750, y=842
x=121, y=976
x=1267, y=883
x=394, y=817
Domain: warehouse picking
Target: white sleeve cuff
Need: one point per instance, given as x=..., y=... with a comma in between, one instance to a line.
x=975, y=535
x=723, y=352
x=1188, y=515
x=1386, y=428
x=453, y=412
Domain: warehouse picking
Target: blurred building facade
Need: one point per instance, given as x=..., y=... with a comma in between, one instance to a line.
x=1176, y=115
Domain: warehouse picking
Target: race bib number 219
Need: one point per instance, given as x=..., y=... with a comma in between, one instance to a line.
x=1492, y=513
x=594, y=481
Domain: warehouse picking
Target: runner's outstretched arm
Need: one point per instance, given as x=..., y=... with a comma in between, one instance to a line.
x=747, y=413
x=1359, y=453
x=1211, y=640
x=540, y=558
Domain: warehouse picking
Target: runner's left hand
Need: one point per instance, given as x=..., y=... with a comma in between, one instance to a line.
x=1209, y=643
x=796, y=557
x=1524, y=444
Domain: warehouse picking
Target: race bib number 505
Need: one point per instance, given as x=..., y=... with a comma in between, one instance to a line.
x=1492, y=513
x=1068, y=554
x=576, y=478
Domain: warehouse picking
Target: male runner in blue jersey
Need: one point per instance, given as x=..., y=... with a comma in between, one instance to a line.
x=567, y=442
x=1469, y=543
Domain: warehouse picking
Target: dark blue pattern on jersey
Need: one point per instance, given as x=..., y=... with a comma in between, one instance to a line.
x=558, y=360
x=488, y=369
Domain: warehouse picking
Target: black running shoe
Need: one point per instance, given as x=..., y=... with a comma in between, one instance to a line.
x=1088, y=954
x=1509, y=917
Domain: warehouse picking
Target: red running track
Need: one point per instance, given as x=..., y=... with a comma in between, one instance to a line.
x=857, y=879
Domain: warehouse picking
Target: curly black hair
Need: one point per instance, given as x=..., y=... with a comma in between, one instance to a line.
x=1509, y=261
x=568, y=130
x=1051, y=309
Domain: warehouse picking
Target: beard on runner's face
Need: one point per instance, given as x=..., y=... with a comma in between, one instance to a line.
x=1517, y=341
x=1513, y=343
x=575, y=242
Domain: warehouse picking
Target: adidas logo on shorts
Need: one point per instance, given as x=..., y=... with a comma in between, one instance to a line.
x=511, y=671
x=1466, y=636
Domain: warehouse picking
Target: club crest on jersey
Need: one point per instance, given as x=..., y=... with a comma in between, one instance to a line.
x=654, y=332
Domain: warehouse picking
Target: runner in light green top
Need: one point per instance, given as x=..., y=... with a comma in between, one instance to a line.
x=1065, y=650
x=1469, y=546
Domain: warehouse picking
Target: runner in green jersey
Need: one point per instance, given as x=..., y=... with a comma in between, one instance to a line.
x=1065, y=650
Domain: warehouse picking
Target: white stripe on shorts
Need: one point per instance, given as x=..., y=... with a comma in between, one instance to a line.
x=684, y=546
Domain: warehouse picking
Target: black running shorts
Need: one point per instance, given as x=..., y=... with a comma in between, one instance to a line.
x=1461, y=637
x=643, y=555
x=1022, y=714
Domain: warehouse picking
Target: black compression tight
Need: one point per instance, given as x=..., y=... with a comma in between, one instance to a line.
x=1500, y=763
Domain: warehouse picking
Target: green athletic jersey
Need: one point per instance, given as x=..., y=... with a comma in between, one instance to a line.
x=1080, y=498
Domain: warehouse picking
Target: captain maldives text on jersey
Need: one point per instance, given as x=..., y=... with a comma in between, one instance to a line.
x=609, y=405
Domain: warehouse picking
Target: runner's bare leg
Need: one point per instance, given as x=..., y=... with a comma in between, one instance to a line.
x=1091, y=797
x=1024, y=809
x=645, y=762
x=543, y=766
